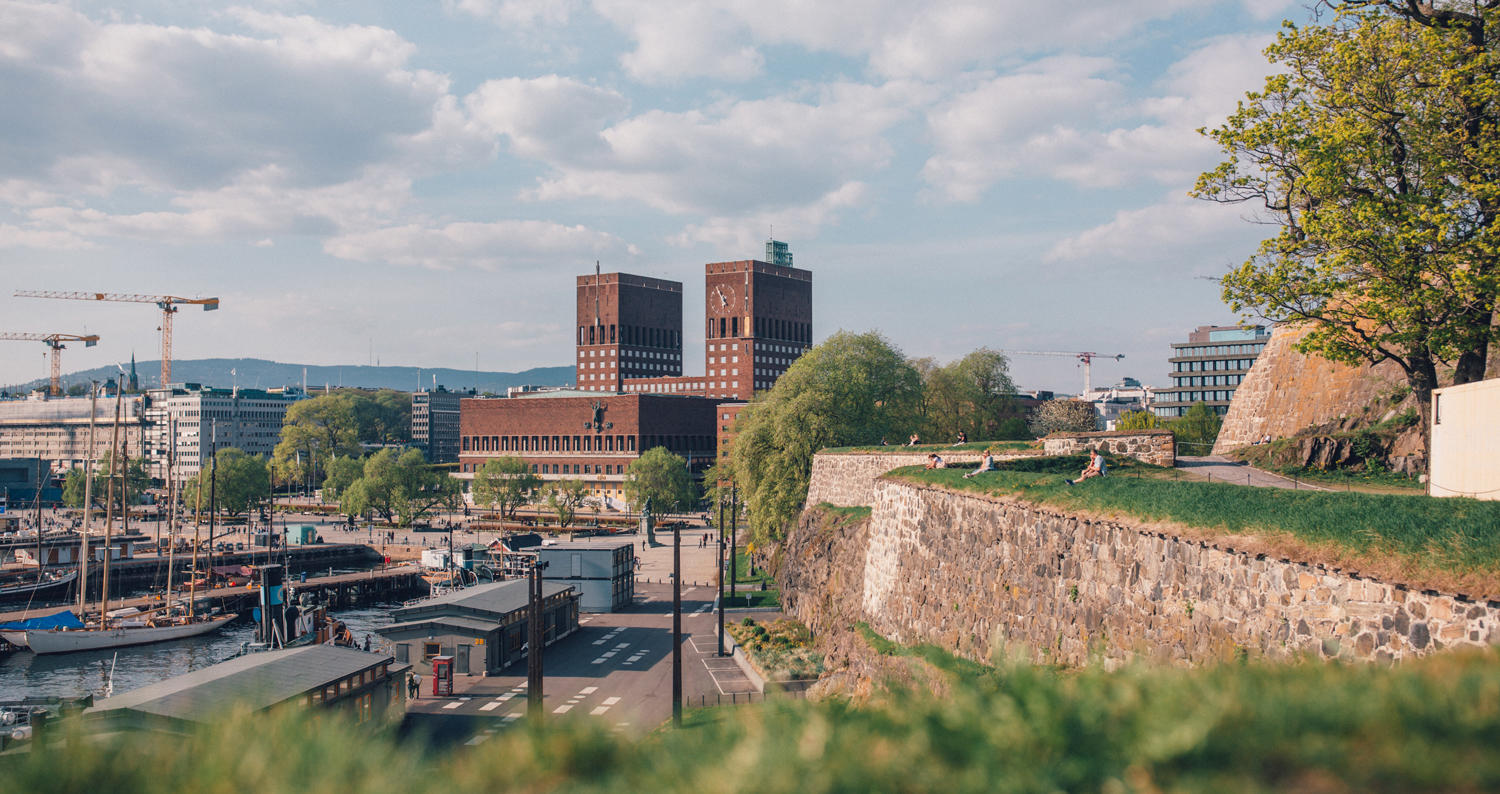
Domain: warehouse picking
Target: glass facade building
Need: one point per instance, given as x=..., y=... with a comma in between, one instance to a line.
x=1209, y=367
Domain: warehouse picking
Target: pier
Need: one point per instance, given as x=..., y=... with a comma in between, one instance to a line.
x=339, y=590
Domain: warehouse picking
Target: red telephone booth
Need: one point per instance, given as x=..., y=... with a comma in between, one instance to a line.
x=442, y=675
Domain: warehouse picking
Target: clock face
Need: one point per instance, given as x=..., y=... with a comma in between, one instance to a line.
x=721, y=300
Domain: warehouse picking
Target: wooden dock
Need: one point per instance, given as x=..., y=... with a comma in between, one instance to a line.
x=340, y=590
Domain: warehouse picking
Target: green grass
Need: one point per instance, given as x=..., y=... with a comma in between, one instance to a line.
x=1453, y=542
x=1428, y=725
x=972, y=446
x=747, y=586
x=845, y=515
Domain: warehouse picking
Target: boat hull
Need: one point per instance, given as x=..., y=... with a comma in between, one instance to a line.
x=28, y=590
x=16, y=638
x=60, y=641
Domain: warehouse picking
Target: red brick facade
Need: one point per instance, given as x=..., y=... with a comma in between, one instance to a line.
x=589, y=437
x=628, y=327
x=758, y=320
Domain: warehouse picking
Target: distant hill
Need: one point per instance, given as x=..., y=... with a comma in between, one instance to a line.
x=256, y=373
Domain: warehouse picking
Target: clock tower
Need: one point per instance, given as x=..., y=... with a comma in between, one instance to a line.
x=759, y=320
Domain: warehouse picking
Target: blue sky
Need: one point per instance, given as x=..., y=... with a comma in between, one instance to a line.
x=425, y=179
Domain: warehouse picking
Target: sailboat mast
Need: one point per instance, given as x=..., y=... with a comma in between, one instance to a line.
x=171, y=507
x=197, y=507
x=109, y=506
x=88, y=503
x=39, y=562
x=213, y=500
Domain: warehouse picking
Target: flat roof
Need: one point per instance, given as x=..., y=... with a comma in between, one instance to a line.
x=499, y=597
x=585, y=545
x=456, y=621
x=258, y=680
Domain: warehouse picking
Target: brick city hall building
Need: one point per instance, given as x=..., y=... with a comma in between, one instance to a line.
x=630, y=394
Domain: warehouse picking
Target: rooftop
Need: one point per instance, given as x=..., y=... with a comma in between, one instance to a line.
x=257, y=680
x=497, y=597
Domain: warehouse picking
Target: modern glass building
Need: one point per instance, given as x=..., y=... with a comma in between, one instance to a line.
x=1209, y=367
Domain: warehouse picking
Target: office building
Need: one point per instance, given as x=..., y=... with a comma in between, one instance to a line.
x=1209, y=366
x=206, y=418
x=56, y=429
x=628, y=327
x=434, y=424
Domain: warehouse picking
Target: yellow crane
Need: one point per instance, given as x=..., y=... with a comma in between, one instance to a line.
x=167, y=303
x=54, y=341
x=1086, y=358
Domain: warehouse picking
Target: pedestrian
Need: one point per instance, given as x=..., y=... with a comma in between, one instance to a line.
x=1096, y=468
x=987, y=463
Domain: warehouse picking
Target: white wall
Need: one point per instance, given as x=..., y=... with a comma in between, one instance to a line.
x=1466, y=441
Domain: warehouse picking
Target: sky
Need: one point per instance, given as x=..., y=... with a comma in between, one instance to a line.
x=418, y=183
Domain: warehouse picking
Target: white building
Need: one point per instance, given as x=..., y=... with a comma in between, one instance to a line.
x=1466, y=441
x=1112, y=401
x=247, y=419
x=56, y=429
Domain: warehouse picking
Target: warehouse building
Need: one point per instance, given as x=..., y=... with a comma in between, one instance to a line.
x=483, y=628
x=602, y=572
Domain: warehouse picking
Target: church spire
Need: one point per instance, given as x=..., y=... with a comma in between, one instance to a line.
x=135, y=382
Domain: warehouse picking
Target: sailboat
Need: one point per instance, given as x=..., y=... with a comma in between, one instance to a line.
x=131, y=626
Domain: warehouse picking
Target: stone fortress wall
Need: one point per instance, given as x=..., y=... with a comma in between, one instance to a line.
x=1152, y=446
x=972, y=573
x=1286, y=391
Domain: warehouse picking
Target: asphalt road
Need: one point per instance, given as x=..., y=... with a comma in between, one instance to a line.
x=616, y=668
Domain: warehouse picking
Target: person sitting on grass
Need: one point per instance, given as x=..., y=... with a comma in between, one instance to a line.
x=1096, y=468
x=987, y=463
x=913, y=441
x=963, y=438
x=935, y=462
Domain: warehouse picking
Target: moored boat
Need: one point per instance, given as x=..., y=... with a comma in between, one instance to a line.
x=94, y=638
x=18, y=588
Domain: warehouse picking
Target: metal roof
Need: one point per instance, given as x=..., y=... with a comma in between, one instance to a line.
x=585, y=545
x=257, y=680
x=455, y=621
x=500, y=598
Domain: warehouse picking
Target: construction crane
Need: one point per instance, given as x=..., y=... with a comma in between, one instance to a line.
x=1086, y=358
x=167, y=303
x=54, y=341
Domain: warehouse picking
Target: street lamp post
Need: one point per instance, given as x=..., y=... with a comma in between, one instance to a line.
x=676, y=624
x=719, y=568
x=734, y=543
x=534, y=644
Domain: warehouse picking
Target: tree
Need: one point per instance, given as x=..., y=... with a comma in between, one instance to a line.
x=972, y=395
x=1138, y=420
x=242, y=482
x=1199, y=427
x=400, y=488
x=851, y=389
x=342, y=472
x=1064, y=416
x=383, y=417
x=661, y=477
x=136, y=483
x=1374, y=152
x=313, y=432
x=505, y=484
x=564, y=497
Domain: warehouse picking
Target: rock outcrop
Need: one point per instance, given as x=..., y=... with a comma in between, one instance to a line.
x=1286, y=392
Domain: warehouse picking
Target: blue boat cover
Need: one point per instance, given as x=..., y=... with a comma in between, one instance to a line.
x=62, y=620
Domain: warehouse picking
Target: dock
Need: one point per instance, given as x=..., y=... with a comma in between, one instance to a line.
x=337, y=591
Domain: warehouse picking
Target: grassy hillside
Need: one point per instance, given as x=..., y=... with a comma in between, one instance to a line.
x=1431, y=725
x=1449, y=544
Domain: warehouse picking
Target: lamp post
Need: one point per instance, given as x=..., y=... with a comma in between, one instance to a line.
x=719, y=569
x=734, y=543
x=676, y=624
x=534, y=644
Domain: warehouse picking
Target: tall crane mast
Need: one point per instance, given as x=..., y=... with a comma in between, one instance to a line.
x=1086, y=358
x=55, y=342
x=167, y=303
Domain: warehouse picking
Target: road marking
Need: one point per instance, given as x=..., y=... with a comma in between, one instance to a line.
x=599, y=710
x=512, y=717
x=492, y=705
x=588, y=690
x=455, y=704
x=563, y=709
x=611, y=701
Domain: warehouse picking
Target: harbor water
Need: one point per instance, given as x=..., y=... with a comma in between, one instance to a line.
x=25, y=674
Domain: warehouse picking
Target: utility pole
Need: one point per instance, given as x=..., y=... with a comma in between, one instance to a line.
x=677, y=624
x=719, y=569
x=534, y=644
x=88, y=501
x=734, y=541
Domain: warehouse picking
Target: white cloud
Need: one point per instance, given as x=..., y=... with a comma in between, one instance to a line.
x=1177, y=229
x=280, y=128
x=507, y=244
x=517, y=13
x=724, y=39
x=744, y=232
x=1051, y=118
x=546, y=117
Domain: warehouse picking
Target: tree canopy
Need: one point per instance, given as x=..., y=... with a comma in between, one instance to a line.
x=973, y=395
x=663, y=478
x=851, y=389
x=1064, y=416
x=400, y=488
x=242, y=482
x=1374, y=155
x=313, y=432
x=505, y=484
x=564, y=497
x=136, y=479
